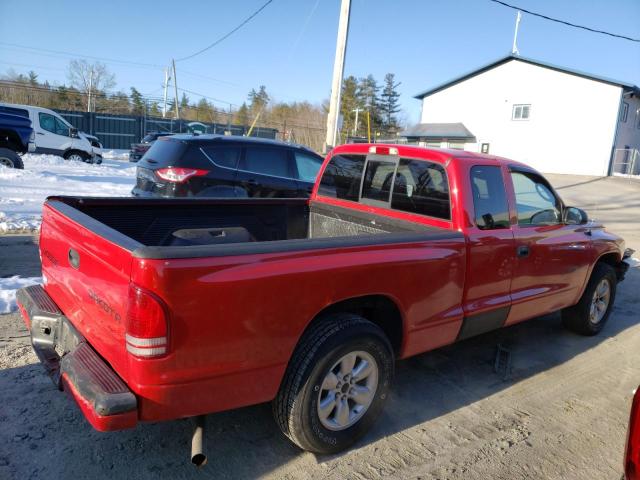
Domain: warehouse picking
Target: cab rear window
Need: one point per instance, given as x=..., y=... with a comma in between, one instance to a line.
x=414, y=186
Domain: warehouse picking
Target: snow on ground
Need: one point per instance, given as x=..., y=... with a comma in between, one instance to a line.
x=8, y=287
x=116, y=154
x=22, y=192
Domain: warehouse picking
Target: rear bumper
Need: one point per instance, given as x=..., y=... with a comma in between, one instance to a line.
x=73, y=365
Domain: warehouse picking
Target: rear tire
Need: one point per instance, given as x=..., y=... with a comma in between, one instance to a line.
x=10, y=159
x=336, y=384
x=592, y=311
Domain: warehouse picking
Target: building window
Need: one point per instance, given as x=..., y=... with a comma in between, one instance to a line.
x=456, y=145
x=521, y=112
x=624, y=113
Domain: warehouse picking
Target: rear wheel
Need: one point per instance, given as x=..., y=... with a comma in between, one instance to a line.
x=590, y=314
x=336, y=384
x=9, y=158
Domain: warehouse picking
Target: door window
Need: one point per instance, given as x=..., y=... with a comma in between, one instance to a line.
x=61, y=127
x=52, y=124
x=308, y=166
x=378, y=179
x=535, y=201
x=267, y=161
x=421, y=187
x=489, y=198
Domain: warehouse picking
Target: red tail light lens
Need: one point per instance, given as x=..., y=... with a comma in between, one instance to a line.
x=179, y=175
x=146, y=328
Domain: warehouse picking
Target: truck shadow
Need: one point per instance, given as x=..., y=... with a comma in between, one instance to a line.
x=43, y=433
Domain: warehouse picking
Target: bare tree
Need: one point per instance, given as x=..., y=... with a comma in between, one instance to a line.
x=90, y=78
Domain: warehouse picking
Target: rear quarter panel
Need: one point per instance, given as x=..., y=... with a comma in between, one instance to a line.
x=243, y=315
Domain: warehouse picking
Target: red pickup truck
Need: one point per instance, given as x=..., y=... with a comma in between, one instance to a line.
x=160, y=309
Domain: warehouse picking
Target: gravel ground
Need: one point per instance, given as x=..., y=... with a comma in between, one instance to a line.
x=562, y=413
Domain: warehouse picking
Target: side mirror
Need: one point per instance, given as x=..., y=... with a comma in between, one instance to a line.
x=73, y=132
x=574, y=216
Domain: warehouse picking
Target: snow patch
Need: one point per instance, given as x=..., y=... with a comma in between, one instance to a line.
x=633, y=262
x=116, y=154
x=8, y=287
x=22, y=192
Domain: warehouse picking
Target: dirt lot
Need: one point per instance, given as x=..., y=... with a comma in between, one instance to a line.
x=562, y=414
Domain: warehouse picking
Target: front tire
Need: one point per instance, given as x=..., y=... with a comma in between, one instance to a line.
x=592, y=311
x=10, y=159
x=336, y=384
x=75, y=156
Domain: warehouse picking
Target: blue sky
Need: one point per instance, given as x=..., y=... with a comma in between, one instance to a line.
x=290, y=46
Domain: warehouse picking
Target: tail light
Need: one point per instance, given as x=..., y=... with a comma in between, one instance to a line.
x=632, y=452
x=179, y=175
x=147, y=330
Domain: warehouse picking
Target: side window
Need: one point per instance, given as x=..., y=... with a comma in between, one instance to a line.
x=378, y=179
x=421, y=187
x=223, y=156
x=535, y=202
x=61, y=127
x=47, y=122
x=489, y=198
x=341, y=177
x=308, y=166
x=267, y=161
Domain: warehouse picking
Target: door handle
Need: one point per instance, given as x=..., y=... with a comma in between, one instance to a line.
x=522, y=251
x=252, y=182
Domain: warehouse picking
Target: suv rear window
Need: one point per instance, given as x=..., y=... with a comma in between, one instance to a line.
x=341, y=178
x=166, y=152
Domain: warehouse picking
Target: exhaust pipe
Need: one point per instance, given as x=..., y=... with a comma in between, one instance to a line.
x=198, y=458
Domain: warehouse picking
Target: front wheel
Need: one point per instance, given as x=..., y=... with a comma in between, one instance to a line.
x=592, y=311
x=336, y=384
x=75, y=156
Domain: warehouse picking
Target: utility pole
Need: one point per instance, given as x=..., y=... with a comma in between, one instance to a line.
x=175, y=87
x=338, y=68
x=90, y=87
x=355, y=125
x=514, y=48
x=166, y=86
x=368, y=127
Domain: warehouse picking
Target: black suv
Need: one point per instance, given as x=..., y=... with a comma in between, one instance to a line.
x=226, y=166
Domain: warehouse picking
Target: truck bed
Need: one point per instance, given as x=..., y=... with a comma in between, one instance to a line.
x=196, y=228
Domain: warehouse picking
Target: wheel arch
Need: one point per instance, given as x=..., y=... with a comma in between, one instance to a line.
x=381, y=310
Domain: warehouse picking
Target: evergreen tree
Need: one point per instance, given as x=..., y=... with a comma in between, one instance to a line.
x=137, y=102
x=242, y=115
x=349, y=101
x=119, y=103
x=389, y=104
x=368, y=91
x=258, y=100
x=184, y=102
x=33, y=77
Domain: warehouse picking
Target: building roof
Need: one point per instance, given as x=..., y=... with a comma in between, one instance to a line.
x=453, y=131
x=519, y=58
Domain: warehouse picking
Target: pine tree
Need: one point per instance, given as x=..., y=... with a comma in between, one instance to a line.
x=33, y=77
x=368, y=91
x=184, y=102
x=258, y=100
x=349, y=101
x=137, y=102
x=390, y=103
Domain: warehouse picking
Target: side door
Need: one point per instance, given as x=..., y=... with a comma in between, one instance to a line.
x=552, y=258
x=267, y=172
x=52, y=136
x=491, y=254
x=221, y=182
x=307, y=167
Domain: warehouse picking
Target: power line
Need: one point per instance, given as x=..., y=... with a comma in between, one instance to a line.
x=73, y=55
x=566, y=23
x=224, y=37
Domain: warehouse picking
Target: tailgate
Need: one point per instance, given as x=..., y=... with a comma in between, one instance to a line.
x=87, y=276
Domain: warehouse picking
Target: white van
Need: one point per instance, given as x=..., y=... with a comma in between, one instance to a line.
x=53, y=134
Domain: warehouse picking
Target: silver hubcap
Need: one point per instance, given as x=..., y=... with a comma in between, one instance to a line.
x=347, y=390
x=600, y=301
x=6, y=162
x=75, y=157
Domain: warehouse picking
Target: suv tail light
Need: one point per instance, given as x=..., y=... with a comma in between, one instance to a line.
x=632, y=452
x=179, y=175
x=147, y=331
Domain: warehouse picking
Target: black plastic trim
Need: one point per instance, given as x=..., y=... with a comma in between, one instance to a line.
x=483, y=322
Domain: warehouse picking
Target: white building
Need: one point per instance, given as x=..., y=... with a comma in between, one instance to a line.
x=552, y=118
